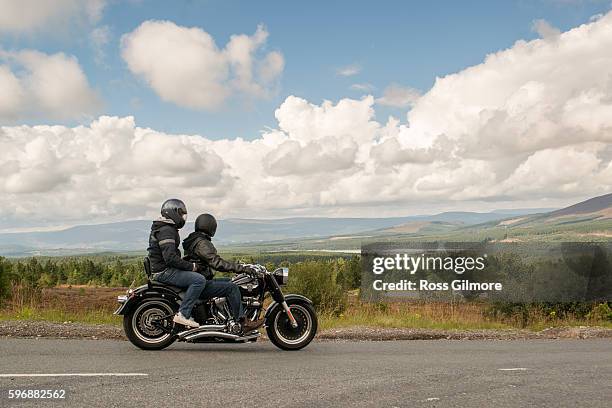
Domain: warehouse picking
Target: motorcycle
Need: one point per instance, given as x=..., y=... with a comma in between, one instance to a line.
x=290, y=320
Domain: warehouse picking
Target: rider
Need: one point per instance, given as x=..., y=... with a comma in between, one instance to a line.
x=198, y=246
x=167, y=266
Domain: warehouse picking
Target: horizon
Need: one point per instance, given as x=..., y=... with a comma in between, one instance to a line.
x=66, y=227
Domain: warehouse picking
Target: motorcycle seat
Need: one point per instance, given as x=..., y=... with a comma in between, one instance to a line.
x=175, y=289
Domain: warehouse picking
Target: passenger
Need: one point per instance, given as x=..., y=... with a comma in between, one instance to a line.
x=198, y=245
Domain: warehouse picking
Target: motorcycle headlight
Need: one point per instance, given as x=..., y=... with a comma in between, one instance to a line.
x=281, y=275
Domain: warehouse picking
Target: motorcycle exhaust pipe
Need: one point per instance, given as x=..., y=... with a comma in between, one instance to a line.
x=219, y=334
x=206, y=327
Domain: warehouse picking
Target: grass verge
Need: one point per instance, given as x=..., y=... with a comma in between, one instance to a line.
x=59, y=316
x=96, y=306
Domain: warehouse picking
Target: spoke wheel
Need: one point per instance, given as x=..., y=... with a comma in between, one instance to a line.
x=146, y=327
x=284, y=335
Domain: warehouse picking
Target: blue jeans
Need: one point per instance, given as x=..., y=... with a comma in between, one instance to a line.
x=221, y=288
x=194, y=282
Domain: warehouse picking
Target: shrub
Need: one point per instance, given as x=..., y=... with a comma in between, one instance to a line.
x=525, y=314
x=317, y=281
x=349, y=273
x=601, y=311
x=5, y=268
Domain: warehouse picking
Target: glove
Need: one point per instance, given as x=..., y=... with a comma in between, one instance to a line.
x=251, y=271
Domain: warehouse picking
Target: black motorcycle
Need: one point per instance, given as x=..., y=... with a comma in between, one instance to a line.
x=290, y=320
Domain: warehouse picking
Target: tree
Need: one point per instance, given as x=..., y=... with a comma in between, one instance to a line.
x=5, y=268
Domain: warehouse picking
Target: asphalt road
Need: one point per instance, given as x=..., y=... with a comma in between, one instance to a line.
x=552, y=373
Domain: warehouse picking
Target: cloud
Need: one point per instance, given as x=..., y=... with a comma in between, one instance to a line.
x=240, y=53
x=595, y=17
x=531, y=124
x=349, y=70
x=184, y=65
x=99, y=38
x=35, y=84
x=108, y=169
x=27, y=16
x=545, y=30
x=365, y=87
x=12, y=97
x=398, y=96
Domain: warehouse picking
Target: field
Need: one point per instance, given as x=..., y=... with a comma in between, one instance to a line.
x=65, y=304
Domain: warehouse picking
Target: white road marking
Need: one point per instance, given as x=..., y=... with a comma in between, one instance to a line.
x=75, y=375
x=433, y=399
x=513, y=369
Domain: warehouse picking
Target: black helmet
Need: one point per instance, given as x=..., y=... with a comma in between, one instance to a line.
x=175, y=210
x=207, y=224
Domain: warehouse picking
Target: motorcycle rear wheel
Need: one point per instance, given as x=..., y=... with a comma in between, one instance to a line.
x=139, y=330
x=283, y=335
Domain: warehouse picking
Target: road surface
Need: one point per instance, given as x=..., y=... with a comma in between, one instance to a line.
x=552, y=373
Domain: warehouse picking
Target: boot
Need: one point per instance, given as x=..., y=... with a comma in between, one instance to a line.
x=250, y=325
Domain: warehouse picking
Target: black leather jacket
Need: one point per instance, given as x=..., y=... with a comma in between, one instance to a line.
x=163, y=248
x=198, y=247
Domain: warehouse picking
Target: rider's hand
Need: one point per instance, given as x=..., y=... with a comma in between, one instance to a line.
x=252, y=271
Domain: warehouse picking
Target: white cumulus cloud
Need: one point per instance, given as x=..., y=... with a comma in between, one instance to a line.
x=545, y=29
x=36, y=84
x=398, y=96
x=26, y=16
x=184, y=65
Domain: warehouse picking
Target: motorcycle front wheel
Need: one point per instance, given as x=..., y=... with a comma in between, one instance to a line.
x=286, y=337
x=141, y=324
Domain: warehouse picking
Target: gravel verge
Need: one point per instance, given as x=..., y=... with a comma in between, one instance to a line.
x=385, y=334
x=70, y=330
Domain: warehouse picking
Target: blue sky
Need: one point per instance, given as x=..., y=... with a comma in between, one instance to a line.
x=402, y=42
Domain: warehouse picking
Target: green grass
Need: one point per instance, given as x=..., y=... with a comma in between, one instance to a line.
x=407, y=321
x=444, y=316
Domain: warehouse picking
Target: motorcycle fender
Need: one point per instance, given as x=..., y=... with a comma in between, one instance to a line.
x=142, y=293
x=122, y=309
x=289, y=297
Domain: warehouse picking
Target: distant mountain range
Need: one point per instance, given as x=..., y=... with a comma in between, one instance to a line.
x=590, y=219
x=131, y=236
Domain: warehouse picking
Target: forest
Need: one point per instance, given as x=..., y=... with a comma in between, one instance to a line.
x=324, y=278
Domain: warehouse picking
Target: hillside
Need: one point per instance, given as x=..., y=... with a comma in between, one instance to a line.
x=589, y=220
x=594, y=209
x=133, y=235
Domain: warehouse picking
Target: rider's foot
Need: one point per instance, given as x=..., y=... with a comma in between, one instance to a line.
x=180, y=319
x=250, y=325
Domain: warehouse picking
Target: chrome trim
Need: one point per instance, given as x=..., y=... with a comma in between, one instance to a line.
x=122, y=298
x=206, y=327
x=283, y=274
x=222, y=335
x=289, y=315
